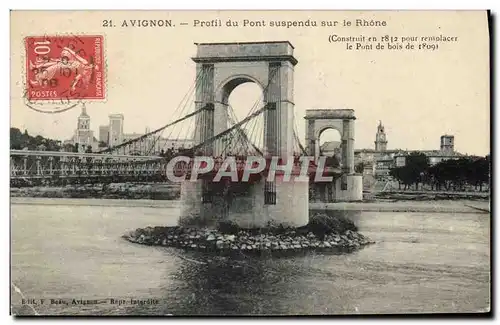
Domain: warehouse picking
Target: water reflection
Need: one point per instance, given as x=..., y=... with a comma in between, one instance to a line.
x=255, y=285
x=224, y=286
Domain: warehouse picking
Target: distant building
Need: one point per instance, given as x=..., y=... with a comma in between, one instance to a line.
x=130, y=136
x=367, y=158
x=447, y=143
x=376, y=161
x=104, y=134
x=148, y=146
x=434, y=156
x=399, y=161
x=446, y=152
x=115, y=129
x=380, y=138
x=83, y=136
x=329, y=148
x=172, y=144
x=380, y=160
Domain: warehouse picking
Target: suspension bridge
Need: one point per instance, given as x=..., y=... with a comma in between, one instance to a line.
x=269, y=129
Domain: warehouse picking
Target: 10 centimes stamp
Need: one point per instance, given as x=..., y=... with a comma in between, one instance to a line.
x=63, y=71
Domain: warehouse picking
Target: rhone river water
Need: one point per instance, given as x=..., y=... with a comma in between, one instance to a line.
x=71, y=251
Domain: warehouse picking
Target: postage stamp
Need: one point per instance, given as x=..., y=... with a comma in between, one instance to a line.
x=68, y=67
x=226, y=163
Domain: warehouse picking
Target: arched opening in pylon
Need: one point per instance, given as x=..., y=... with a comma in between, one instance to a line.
x=244, y=98
x=330, y=145
x=241, y=96
x=330, y=142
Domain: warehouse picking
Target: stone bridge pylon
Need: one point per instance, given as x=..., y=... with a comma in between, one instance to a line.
x=346, y=185
x=222, y=67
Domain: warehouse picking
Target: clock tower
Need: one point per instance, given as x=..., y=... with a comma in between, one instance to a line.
x=380, y=138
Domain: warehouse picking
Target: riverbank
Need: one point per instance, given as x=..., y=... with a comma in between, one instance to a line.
x=159, y=194
x=171, y=191
x=324, y=232
x=430, y=196
x=432, y=206
x=462, y=206
x=454, y=206
x=128, y=191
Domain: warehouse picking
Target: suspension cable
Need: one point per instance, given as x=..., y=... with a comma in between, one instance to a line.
x=245, y=120
x=263, y=95
x=149, y=133
x=199, y=79
x=244, y=137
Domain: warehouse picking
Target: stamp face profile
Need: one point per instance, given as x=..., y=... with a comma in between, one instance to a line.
x=69, y=67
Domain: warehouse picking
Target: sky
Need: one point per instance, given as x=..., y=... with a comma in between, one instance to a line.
x=418, y=95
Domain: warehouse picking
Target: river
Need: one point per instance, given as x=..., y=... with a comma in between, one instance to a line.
x=71, y=249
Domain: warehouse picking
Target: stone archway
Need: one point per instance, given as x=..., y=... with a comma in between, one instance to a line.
x=221, y=67
x=342, y=120
x=347, y=186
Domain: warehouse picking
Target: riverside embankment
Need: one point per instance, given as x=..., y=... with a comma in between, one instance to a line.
x=130, y=191
x=404, y=201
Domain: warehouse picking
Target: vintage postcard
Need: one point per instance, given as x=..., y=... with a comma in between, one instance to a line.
x=178, y=163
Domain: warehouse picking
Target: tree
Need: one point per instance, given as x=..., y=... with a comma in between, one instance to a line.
x=359, y=168
x=169, y=154
x=68, y=147
x=395, y=173
x=480, y=168
x=417, y=164
x=455, y=174
x=19, y=141
x=16, y=139
x=434, y=177
x=450, y=174
x=404, y=176
x=413, y=172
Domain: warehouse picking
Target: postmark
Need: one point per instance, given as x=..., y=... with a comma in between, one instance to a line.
x=63, y=70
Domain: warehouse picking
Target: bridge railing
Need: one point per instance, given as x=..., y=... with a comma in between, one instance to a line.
x=46, y=164
x=77, y=154
x=53, y=165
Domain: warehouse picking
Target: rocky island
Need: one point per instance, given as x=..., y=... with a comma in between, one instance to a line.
x=324, y=232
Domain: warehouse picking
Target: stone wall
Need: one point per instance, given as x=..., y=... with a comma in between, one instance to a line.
x=247, y=210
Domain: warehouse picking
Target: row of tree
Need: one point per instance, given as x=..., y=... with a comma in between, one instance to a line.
x=22, y=140
x=450, y=174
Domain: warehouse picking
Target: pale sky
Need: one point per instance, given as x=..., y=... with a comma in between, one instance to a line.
x=419, y=95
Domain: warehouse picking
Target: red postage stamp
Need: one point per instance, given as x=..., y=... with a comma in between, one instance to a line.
x=68, y=67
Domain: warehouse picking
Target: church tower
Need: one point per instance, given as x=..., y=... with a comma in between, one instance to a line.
x=83, y=120
x=83, y=135
x=380, y=138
